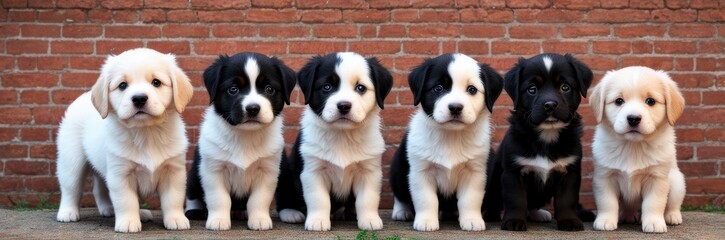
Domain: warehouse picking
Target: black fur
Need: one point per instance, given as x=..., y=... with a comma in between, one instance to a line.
x=520, y=192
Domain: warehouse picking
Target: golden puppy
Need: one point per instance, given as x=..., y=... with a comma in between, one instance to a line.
x=128, y=129
x=634, y=149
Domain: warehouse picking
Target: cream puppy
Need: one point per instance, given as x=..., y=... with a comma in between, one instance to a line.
x=128, y=130
x=634, y=149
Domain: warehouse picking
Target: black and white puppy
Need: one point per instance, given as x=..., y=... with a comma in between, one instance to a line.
x=441, y=162
x=540, y=155
x=336, y=159
x=240, y=142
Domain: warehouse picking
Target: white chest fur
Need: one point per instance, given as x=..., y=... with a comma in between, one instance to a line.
x=543, y=166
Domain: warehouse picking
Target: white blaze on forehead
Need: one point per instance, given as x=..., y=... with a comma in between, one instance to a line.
x=252, y=70
x=465, y=68
x=353, y=68
x=547, y=63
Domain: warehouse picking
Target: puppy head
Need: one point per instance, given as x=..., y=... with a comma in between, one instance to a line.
x=547, y=88
x=454, y=90
x=139, y=85
x=344, y=88
x=249, y=89
x=636, y=101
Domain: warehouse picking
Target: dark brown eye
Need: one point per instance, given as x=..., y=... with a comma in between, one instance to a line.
x=233, y=90
x=650, y=101
x=619, y=101
x=156, y=83
x=122, y=86
x=532, y=90
x=472, y=90
x=565, y=88
x=360, y=89
x=269, y=90
x=438, y=88
x=327, y=87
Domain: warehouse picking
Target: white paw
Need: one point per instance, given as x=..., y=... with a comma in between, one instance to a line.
x=402, y=215
x=605, y=224
x=146, y=215
x=540, y=215
x=673, y=218
x=106, y=211
x=176, y=222
x=218, y=223
x=657, y=225
x=370, y=223
x=318, y=224
x=425, y=224
x=472, y=224
x=260, y=223
x=128, y=225
x=289, y=215
x=68, y=215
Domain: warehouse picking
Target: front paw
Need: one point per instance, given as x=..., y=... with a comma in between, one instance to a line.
x=514, y=225
x=605, y=223
x=426, y=224
x=472, y=224
x=402, y=215
x=68, y=215
x=657, y=225
x=673, y=218
x=218, y=223
x=289, y=215
x=259, y=223
x=318, y=224
x=176, y=222
x=370, y=223
x=128, y=225
x=573, y=224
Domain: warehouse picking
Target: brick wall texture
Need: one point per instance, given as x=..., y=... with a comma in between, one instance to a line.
x=51, y=50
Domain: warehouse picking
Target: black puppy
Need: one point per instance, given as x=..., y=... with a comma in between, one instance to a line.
x=540, y=155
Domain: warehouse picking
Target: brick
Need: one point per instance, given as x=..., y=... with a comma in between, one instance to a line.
x=712, y=135
x=15, y=3
x=549, y=15
x=434, y=31
x=26, y=167
x=116, y=47
x=528, y=3
x=622, y=16
x=272, y=15
x=692, y=30
x=217, y=47
x=703, y=4
x=321, y=16
x=711, y=47
x=185, y=31
x=9, y=97
x=30, y=80
x=125, y=16
x=704, y=116
x=166, y=4
x=27, y=46
x=12, y=184
x=662, y=63
x=153, y=16
x=23, y=16
x=667, y=16
x=392, y=31
x=532, y=32
x=71, y=47
x=27, y=63
x=712, y=15
x=637, y=31
x=40, y=30
x=44, y=151
x=47, y=115
x=66, y=96
x=693, y=80
x=483, y=15
x=34, y=97
x=335, y=31
x=375, y=47
x=585, y=31
x=515, y=47
x=132, y=32
x=126, y=4
x=641, y=47
x=675, y=47
x=87, y=62
x=614, y=3
x=713, y=98
x=272, y=3
x=73, y=79
x=315, y=47
x=677, y=3
x=576, y=4
x=181, y=16
x=706, y=64
x=684, y=64
x=286, y=31
x=175, y=47
x=239, y=30
x=478, y=31
x=433, y=3
x=35, y=134
x=647, y=4
x=63, y=15
x=611, y=47
x=82, y=31
x=100, y=16
x=473, y=47
x=42, y=184
x=439, y=15
x=565, y=47
x=365, y=16
x=705, y=185
x=421, y=47
x=9, y=30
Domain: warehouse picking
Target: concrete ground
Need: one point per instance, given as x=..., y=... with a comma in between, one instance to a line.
x=42, y=225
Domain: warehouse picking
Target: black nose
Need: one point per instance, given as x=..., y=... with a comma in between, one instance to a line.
x=633, y=120
x=139, y=100
x=550, y=106
x=344, y=107
x=455, y=108
x=252, y=109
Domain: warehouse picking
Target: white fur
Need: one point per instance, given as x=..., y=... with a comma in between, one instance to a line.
x=543, y=166
x=547, y=63
x=136, y=154
x=352, y=70
x=465, y=71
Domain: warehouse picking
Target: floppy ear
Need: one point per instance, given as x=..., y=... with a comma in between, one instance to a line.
x=674, y=101
x=180, y=84
x=596, y=100
x=493, y=83
x=416, y=80
x=382, y=80
x=288, y=78
x=511, y=81
x=306, y=76
x=583, y=73
x=212, y=76
x=99, y=91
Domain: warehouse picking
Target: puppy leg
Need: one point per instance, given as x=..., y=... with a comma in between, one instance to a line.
x=100, y=194
x=123, y=190
x=425, y=201
x=260, y=199
x=673, y=216
x=515, y=203
x=72, y=171
x=606, y=196
x=565, y=200
x=367, y=187
x=654, y=194
x=317, y=197
x=401, y=211
x=172, y=185
x=470, y=200
x=217, y=198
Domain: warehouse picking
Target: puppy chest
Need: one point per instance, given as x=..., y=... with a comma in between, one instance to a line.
x=543, y=166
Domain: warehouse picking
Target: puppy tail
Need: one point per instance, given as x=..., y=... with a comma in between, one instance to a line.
x=584, y=214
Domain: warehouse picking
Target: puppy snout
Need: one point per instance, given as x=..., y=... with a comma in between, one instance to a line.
x=633, y=120
x=139, y=100
x=455, y=108
x=252, y=109
x=344, y=107
x=550, y=106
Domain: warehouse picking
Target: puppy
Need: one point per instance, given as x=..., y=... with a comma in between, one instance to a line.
x=240, y=141
x=337, y=155
x=540, y=155
x=634, y=149
x=129, y=131
x=441, y=162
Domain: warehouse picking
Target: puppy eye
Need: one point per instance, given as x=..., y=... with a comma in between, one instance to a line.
x=122, y=86
x=233, y=90
x=360, y=89
x=619, y=101
x=565, y=87
x=472, y=90
x=532, y=90
x=269, y=90
x=156, y=83
x=650, y=101
x=327, y=87
x=438, y=88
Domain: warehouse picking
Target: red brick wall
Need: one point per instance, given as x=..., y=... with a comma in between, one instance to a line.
x=50, y=52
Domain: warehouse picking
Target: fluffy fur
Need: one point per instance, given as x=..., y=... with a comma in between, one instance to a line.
x=442, y=158
x=634, y=152
x=336, y=160
x=540, y=155
x=240, y=142
x=129, y=131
